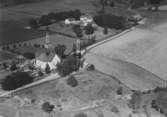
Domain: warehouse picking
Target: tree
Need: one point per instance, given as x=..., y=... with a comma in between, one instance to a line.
x=33, y=23
x=14, y=46
x=13, y=67
x=16, y=80
x=72, y=81
x=44, y=20
x=4, y=64
x=25, y=44
x=29, y=55
x=60, y=49
x=114, y=109
x=103, y=3
x=47, y=69
x=91, y=67
x=74, y=48
x=68, y=65
x=89, y=30
x=51, y=16
x=120, y=91
x=81, y=115
x=160, y=103
x=78, y=31
x=135, y=101
x=105, y=31
x=40, y=73
x=47, y=107
x=110, y=21
x=155, y=3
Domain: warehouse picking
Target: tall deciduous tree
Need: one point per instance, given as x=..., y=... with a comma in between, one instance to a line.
x=68, y=65
x=60, y=50
x=47, y=69
x=89, y=30
x=78, y=31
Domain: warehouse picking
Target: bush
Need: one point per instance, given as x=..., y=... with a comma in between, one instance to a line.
x=29, y=55
x=71, y=81
x=110, y=21
x=16, y=80
x=68, y=65
x=81, y=115
x=47, y=107
x=60, y=49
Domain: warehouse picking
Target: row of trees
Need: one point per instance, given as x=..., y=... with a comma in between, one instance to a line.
x=48, y=19
x=110, y=21
x=16, y=80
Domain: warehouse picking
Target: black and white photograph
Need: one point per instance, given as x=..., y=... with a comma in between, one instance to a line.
x=83, y=58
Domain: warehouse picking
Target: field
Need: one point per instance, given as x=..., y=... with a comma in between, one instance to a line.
x=92, y=87
x=13, y=20
x=138, y=58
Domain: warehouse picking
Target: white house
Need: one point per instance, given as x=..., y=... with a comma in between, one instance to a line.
x=86, y=19
x=69, y=21
x=51, y=59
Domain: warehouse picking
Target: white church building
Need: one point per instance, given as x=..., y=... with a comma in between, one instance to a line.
x=51, y=59
x=48, y=57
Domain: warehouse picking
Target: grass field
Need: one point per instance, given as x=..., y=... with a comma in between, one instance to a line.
x=92, y=86
x=144, y=47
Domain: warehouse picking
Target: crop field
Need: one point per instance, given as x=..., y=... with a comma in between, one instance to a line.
x=137, y=58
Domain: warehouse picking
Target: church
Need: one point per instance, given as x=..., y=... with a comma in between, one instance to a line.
x=49, y=57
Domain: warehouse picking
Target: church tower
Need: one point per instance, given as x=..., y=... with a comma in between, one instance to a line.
x=47, y=39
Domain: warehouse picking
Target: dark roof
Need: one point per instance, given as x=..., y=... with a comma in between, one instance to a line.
x=46, y=57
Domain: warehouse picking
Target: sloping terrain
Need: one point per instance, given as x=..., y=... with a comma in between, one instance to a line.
x=93, y=87
x=143, y=47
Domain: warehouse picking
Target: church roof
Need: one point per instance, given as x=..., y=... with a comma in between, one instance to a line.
x=46, y=57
